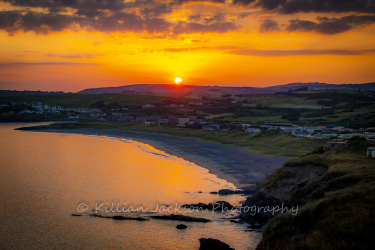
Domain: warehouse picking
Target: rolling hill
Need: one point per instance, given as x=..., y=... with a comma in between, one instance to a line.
x=193, y=91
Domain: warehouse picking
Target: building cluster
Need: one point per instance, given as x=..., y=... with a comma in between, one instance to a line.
x=321, y=132
x=34, y=107
x=44, y=108
x=317, y=132
x=172, y=120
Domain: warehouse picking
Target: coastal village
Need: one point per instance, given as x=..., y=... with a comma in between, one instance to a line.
x=328, y=131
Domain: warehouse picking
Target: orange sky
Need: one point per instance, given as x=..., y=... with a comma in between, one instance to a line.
x=71, y=45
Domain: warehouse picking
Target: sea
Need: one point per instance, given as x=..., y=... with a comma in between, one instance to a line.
x=47, y=177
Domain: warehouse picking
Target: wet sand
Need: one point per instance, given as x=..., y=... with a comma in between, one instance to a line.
x=242, y=169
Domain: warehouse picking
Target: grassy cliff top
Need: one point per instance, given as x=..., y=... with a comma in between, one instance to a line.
x=340, y=214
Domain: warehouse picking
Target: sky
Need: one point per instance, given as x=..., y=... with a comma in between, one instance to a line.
x=70, y=45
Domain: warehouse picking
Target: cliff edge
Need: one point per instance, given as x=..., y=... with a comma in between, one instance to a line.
x=324, y=200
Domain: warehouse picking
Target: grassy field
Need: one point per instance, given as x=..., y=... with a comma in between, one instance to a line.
x=75, y=101
x=262, y=143
x=282, y=101
x=340, y=216
x=344, y=108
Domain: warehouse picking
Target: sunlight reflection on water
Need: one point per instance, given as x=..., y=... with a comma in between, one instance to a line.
x=45, y=176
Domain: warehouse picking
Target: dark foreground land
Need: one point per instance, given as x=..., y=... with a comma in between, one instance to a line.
x=335, y=193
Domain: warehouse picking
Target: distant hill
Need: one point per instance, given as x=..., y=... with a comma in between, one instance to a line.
x=178, y=90
x=325, y=86
x=193, y=91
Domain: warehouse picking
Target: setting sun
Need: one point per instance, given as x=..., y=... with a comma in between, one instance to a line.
x=177, y=80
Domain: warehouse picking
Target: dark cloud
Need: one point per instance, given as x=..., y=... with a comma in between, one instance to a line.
x=187, y=1
x=295, y=6
x=90, y=13
x=76, y=4
x=270, y=4
x=243, y=2
x=268, y=26
x=215, y=18
x=196, y=17
x=147, y=15
x=277, y=53
x=362, y=6
x=330, y=26
x=8, y=20
x=106, y=16
x=12, y=21
x=157, y=10
x=192, y=27
x=244, y=15
x=306, y=6
x=157, y=25
x=43, y=23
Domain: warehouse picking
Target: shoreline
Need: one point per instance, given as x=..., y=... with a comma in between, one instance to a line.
x=230, y=163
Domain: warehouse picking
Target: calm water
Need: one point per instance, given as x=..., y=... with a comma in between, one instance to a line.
x=45, y=176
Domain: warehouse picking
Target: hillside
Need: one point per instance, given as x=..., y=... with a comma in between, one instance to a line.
x=193, y=91
x=74, y=101
x=335, y=193
x=353, y=109
x=178, y=90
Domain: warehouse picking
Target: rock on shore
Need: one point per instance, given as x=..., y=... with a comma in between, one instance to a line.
x=213, y=244
x=219, y=206
x=180, y=218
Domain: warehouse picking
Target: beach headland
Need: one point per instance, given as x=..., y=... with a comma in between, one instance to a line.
x=231, y=163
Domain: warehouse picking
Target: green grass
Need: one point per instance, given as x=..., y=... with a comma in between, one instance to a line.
x=261, y=119
x=260, y=108
x=75, y=101
x=261, y=143
x=281, y=101
x=341, y=214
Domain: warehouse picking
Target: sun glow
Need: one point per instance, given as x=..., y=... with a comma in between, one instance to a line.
x=177, y=80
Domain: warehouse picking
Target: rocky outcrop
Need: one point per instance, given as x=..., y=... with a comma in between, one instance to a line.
x=219, y=206
x=180, y=218
x=225, y=192
x=230, y=191
x=330, y=189
x=119, y=217
x=277, y=193
x=181, y=226
x=213, y=244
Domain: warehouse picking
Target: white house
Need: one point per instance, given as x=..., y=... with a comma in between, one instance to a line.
x=252, y=130
x=148, y=106
x=183, y=120
x=74, y=117
x=195, y=103
x=371, y=152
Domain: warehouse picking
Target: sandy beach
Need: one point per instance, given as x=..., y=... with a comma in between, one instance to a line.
x=242, y=169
